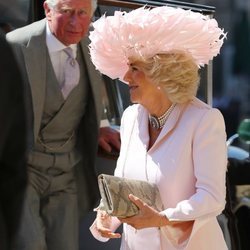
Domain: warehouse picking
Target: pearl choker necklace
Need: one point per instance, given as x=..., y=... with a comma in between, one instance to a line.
x=159, y=122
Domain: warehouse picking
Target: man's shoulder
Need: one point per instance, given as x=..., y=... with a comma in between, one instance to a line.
x=23, y=34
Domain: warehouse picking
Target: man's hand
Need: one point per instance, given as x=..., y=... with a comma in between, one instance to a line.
x=109, y=139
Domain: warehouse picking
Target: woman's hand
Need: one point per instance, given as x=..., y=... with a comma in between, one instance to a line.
x=103, y=224
x=147, y=217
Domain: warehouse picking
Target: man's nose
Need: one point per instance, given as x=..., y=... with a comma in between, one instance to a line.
x=74, y=18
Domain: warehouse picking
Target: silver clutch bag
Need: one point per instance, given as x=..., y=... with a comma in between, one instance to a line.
x=115, y=191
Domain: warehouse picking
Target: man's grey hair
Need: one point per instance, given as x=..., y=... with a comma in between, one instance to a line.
x=52, y=4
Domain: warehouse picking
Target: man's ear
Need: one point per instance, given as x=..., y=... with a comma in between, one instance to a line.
x=47, y=10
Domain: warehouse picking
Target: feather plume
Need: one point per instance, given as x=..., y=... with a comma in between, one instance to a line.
x=146, y=32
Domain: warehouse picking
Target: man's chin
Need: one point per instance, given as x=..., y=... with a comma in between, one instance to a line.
x=73, y=39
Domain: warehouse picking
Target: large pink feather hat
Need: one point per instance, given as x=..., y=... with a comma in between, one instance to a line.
x=145, y=32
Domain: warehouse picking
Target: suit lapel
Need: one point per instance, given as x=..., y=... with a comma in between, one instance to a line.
x=94, y=77
x=35, y=63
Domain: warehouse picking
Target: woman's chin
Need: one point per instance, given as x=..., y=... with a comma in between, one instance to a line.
x=133, y=99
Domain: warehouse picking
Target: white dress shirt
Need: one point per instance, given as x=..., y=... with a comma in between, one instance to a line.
x=57, y=55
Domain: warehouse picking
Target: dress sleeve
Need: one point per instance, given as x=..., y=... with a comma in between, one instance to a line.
x=210, y=164
x=125, y=128
x=93, y=229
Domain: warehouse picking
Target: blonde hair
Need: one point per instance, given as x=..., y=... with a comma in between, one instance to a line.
x=174, y=71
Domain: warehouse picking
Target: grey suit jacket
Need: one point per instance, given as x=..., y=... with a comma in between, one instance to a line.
x=29, y=44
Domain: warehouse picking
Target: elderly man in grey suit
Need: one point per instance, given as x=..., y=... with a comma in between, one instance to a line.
x=66, y=115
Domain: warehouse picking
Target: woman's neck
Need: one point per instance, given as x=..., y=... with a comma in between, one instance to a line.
x=157, y=106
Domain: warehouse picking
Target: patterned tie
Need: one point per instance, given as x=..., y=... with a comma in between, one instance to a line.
x=71, y=73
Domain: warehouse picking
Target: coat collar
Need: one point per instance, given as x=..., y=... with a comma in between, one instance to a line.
x=169, y=126
x=95, y=78
x=35, y=62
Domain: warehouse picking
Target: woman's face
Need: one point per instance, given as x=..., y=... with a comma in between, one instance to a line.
x=141, y=88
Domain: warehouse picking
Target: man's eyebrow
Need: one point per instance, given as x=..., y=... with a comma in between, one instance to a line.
x=65, y=7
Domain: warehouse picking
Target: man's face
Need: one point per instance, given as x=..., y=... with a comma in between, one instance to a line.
x=69, y=20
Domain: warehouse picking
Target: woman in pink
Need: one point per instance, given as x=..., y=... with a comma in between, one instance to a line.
x=169, y=136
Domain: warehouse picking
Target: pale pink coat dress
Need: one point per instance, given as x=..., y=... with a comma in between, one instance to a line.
x=188, y=162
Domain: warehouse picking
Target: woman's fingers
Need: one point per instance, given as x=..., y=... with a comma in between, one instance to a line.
x=137, y=201
x=103, y=224
x=104, y=232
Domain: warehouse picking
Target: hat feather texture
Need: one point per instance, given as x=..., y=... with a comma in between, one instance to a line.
x=145, y=32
